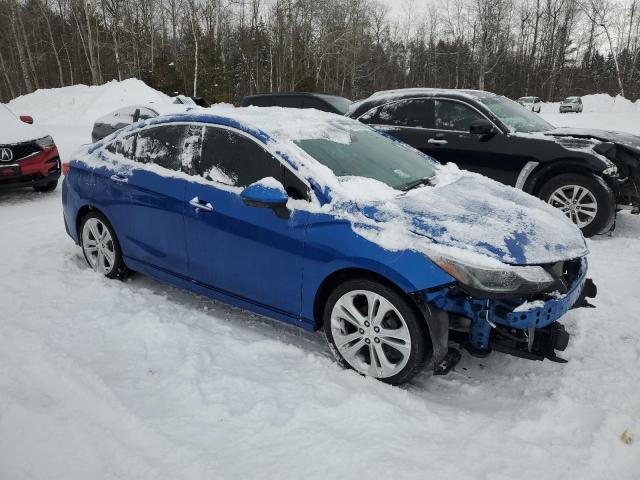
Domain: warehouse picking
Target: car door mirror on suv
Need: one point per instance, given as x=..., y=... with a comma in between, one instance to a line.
x=481, y=127
x=267, y=193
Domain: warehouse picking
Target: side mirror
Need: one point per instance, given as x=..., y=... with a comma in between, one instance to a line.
x=267, y=193
x=27, y=119
x=481, y=127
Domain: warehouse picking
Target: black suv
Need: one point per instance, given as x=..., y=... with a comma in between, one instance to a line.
x=588, y=174
x=319, y=101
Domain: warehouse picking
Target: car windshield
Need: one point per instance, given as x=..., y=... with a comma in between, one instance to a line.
x=370, y=154
x=527, y=100
x=341, y=104
x=571, y=100
x=516, y=117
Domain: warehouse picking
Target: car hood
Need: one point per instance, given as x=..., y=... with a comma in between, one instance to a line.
x=470, y=212
x=619, y=138
x=14, y=130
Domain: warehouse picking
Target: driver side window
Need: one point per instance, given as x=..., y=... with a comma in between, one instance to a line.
x=450, y=115
x=232, y=159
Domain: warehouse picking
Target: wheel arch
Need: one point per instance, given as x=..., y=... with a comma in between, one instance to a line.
x=83, y=211
x=340, y=276
x=544, y=172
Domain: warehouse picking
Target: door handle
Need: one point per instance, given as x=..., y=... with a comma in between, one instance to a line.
x=198, y=204
x=437, y=141
x=119, y=178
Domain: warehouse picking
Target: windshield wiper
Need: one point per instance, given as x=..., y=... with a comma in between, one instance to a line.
x=417, y=183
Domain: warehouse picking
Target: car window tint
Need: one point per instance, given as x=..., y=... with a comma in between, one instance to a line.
x=404, y=113
x=230, y=158
x=170, y=146
x=145, y=114
x=123, y=146
x=454, y=116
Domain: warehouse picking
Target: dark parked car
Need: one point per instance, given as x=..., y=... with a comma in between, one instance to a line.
x=588, y=174
x=319, y=101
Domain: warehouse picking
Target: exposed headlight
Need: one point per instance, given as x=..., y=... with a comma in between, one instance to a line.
x=45, y=142
x=503, y=279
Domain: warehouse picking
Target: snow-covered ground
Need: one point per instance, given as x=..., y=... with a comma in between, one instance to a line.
x=105, y=379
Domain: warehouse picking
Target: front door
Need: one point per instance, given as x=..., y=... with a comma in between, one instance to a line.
x=241, y=250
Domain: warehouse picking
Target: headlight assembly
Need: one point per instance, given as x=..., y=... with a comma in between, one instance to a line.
x=497, y=280
x=45, y=142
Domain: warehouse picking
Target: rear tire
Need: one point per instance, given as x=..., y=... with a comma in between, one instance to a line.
x=47, y=187
x=586, y=199
x=376, y=331
x=100, y=246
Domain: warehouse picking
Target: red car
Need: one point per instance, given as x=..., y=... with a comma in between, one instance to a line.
x=28, y=156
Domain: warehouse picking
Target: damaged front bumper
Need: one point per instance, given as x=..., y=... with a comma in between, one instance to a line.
x=524, y=327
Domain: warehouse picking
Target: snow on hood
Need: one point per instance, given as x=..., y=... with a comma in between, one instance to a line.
x=621, y=138
x=466, y=213
x=15, y=130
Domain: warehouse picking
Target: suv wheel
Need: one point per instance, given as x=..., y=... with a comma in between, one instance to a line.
x=100, y=246
x=47, y=187
x=376, y=331
x=586, y=199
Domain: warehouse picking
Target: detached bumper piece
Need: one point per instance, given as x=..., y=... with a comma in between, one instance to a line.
x=524, y=327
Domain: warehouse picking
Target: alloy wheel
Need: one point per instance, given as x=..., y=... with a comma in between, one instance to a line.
x=98, y=246
x=370, y=334
x=576, y=202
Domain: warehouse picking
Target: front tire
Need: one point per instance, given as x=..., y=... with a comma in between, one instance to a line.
x=586, y=199
x=47, y=187
x=100, y=246
x=376, y=331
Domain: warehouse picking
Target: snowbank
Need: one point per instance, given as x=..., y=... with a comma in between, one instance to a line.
x=82, y=104
x=599, y=102
x=68, y=113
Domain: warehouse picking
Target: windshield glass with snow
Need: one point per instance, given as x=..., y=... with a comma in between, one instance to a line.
x=515, y=117
x=369, y=154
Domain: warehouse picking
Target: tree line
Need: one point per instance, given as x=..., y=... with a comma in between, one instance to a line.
x=224, y=49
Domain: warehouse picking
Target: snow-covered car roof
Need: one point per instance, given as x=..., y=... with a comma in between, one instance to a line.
x=15, y=130
x=385, y=96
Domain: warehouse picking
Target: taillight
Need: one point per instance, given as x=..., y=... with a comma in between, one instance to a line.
x=65, y=169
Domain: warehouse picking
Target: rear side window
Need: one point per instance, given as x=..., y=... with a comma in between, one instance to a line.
x=170, y=146
x=145, y=114
x=404, y=113
x=457, y=116
x=233, y=159
x=124, y=146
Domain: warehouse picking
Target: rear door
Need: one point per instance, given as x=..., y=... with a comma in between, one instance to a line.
x=242, y=250
x=406, y=120
x=155, y=209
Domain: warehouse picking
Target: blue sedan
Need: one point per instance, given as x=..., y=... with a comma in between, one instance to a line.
x=320, y=221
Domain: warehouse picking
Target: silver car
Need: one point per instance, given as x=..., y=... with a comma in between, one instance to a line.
x=571, y=104
x=531, y=103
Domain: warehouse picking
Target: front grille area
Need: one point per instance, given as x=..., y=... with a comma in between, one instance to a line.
x=21, y=150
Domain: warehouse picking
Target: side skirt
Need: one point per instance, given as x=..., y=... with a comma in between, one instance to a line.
x=217, y=294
